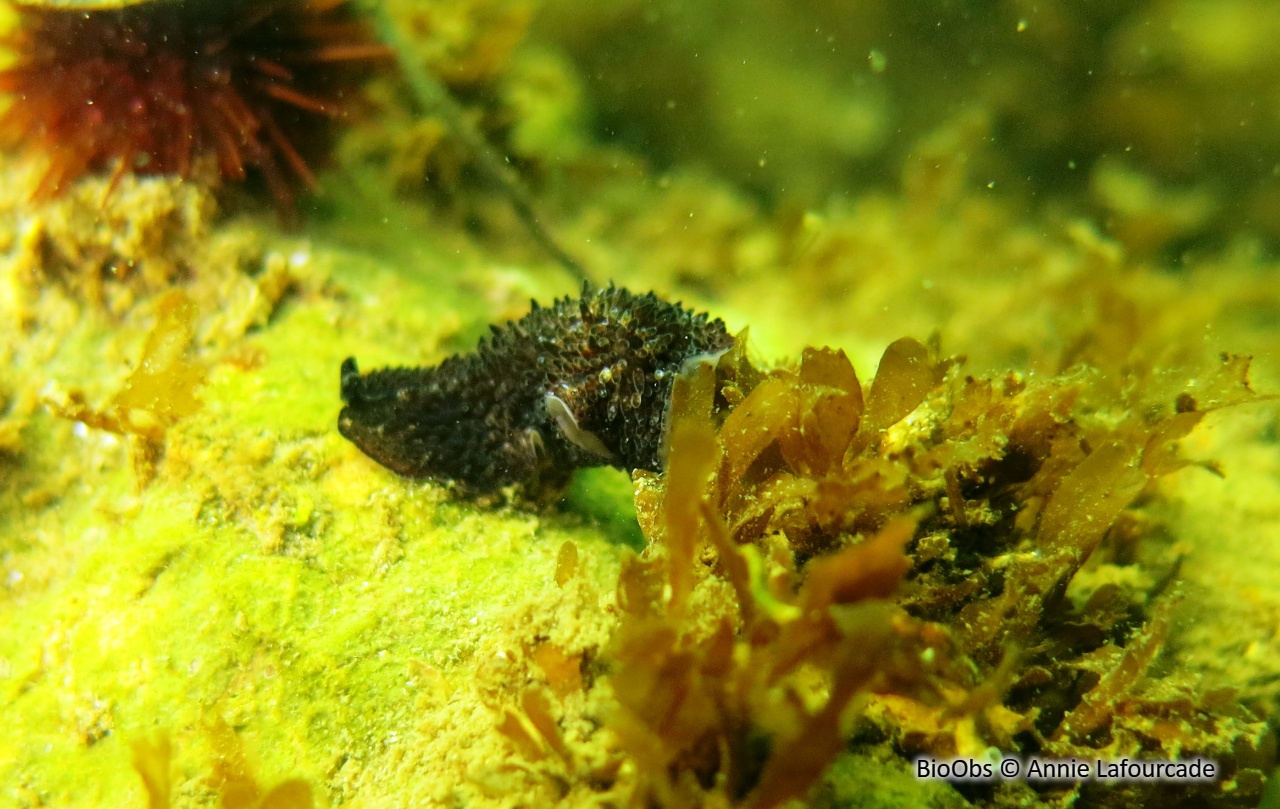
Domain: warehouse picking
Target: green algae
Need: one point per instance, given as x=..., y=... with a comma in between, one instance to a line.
x=270, y=578
x=858, y=782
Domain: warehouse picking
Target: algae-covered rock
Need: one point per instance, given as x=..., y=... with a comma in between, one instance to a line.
x=993, y=474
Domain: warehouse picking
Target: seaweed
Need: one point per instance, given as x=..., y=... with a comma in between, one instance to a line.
x=899, y=558
x=441, y=109
x=744, y=699
x=230, y=776
x=151, y=760
x=160, y=390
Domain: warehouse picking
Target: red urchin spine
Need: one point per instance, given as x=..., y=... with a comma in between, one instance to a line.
x=152, y=88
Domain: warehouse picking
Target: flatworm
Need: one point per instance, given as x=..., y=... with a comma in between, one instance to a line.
x=586, y=382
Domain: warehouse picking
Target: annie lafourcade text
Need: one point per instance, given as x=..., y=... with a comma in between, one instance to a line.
x=1045, y=769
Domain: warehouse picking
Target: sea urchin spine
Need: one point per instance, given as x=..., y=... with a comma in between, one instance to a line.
x=156, y=86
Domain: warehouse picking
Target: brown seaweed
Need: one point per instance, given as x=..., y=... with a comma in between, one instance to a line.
x=899, y=556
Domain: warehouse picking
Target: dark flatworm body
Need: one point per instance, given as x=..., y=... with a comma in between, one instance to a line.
x=586, y=382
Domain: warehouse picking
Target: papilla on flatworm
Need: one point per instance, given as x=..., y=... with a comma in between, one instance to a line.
x=586, y=382
x=154, y=86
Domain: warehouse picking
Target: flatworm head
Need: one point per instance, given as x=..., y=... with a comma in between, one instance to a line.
x=585, y=382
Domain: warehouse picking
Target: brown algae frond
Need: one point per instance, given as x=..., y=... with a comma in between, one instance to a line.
x=901, y=558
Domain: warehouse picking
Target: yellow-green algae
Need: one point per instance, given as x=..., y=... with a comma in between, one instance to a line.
x=278, y=582
x=365, y=633
x=267, y=564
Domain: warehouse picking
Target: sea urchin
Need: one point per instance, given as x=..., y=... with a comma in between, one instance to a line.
x=156, y=86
